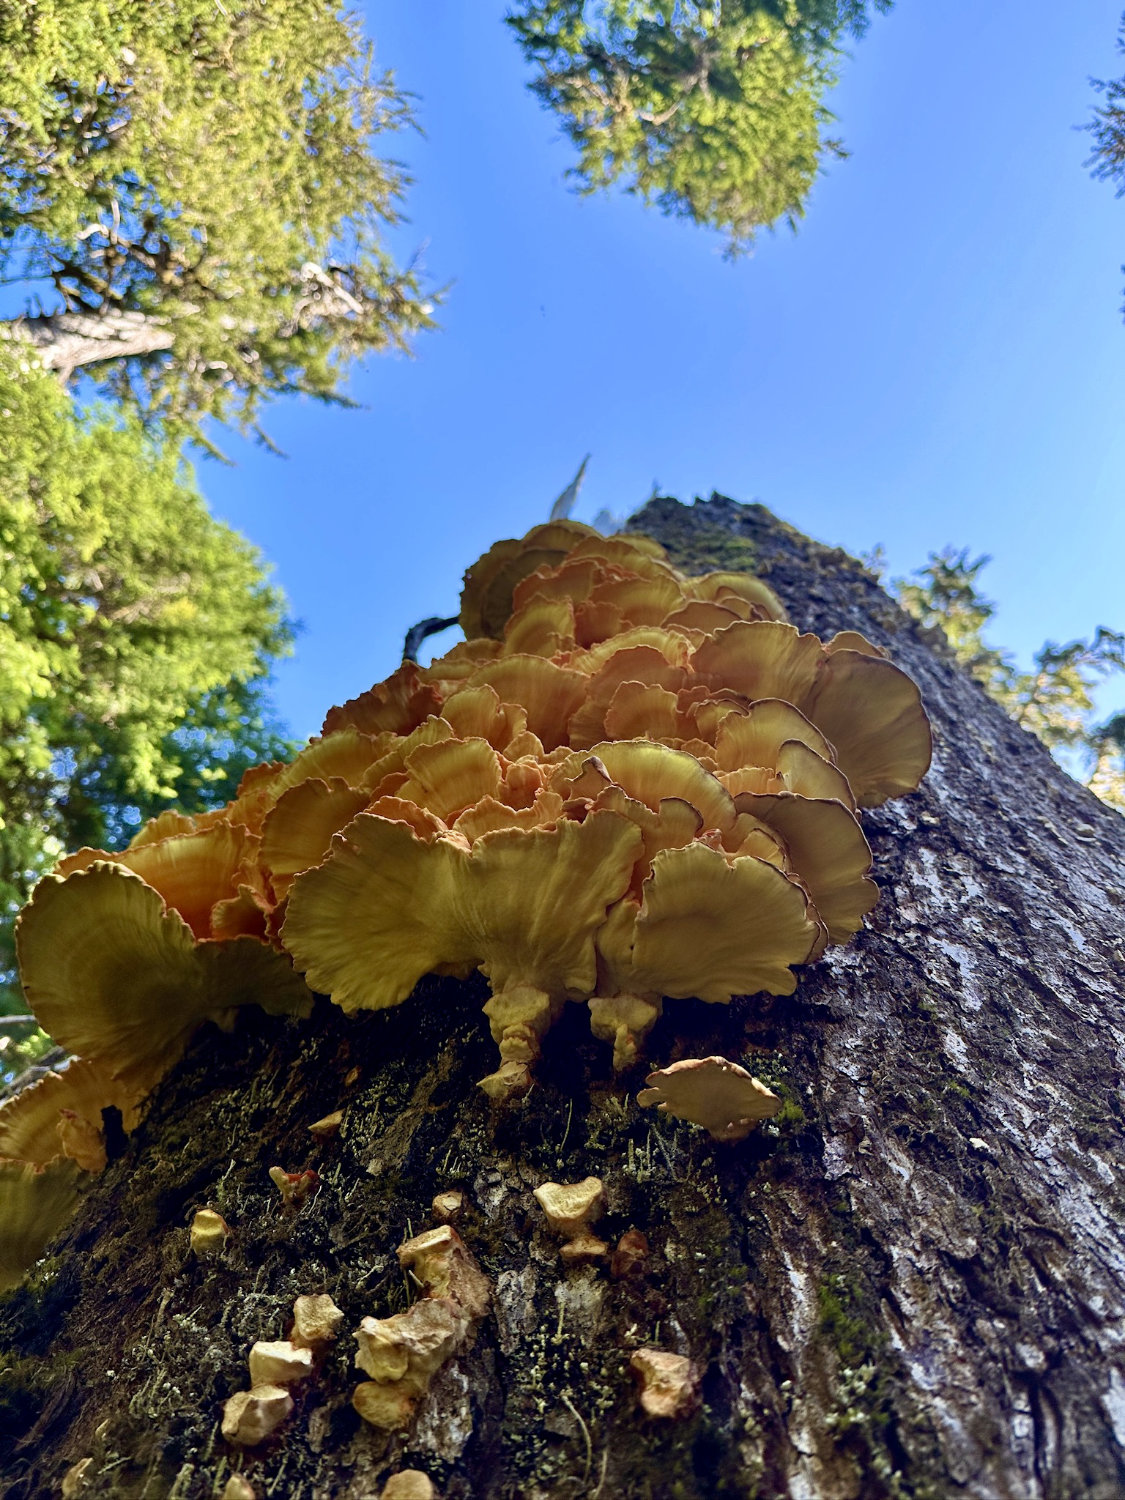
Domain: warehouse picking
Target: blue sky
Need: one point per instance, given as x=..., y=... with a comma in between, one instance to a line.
x=937, y=356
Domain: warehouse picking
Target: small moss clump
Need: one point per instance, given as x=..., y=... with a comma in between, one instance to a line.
x=708, y=549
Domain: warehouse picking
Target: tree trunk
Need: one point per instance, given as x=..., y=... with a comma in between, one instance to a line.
x=68, y=341
x=911, y=1284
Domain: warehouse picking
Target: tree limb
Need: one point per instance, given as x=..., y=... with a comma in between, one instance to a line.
x=68, y=341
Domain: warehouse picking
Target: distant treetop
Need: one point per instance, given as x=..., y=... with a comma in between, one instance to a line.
x=193, y=185
x=711, y=111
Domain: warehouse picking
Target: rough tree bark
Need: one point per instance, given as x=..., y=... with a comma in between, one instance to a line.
x=912, y=1284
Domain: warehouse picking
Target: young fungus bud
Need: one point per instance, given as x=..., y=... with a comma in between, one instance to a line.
x=409, y=1484
x=327, y=1127
x=315, y=1321
x=630, y=1255
x=402, y=1354
x=569, y=1209
x=294, y=1187
x=250, y=1417
x=82, y=1141
x=447, y=1206
x=74, y=1480
x=712, y=1092
x=279, y=1363
x=669, y=1382
x=387, y=1407
x=208, y=1233
x=439, y=1260
x=237, y=1488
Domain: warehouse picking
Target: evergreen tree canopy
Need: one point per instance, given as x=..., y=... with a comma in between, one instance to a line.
x=135, y=635
x=1055, y=698
x=1107, y=160
x=712, y=111
x=195, y=182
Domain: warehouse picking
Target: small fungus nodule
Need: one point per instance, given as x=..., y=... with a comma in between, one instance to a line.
x=208, y=1233
x=669, y=1383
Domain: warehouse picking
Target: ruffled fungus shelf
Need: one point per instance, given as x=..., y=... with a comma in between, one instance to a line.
x=625, y=786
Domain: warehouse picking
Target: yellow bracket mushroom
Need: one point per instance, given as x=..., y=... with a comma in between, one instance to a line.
x=625, y=786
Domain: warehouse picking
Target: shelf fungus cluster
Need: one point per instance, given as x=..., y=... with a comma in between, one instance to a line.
x=276, y=1369
x=401, y=1354
x=625, y=786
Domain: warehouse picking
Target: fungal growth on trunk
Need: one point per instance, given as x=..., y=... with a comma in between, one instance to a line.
x=277, y=1368
x=713, y=1092
x=669, y=1383
x=402, y=1354
x=208, y=1233
x=570, y=1209
x=627, y=786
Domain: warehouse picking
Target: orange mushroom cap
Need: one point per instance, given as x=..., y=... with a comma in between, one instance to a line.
x=344, y=754
x=35, y=1203
x=399, y=703
x=709, y=926
x=37, y=1124
x=424, y=823
x=394, y=750
x=666, y=643
x=673, y=824
x=447, y=778
x=163, y=826
x=478, y=713
x=870, y=711
x=851, y=640
x=641, y=710
x=753, y=736
x=192, y=871
x=486, y=599
x=299, y=827
x=701, y=615
x=631, y=548
x=385, y=908
x=246, y=914
x=713, y=1092
x=650, y=772
x=827, y=850
x=571, y=579
x=641, y=600
x=115, y=976
x=718, y=586
x=761, y=659
x=643, y=663
x=548, y=693
x=541, y=628
x=488, y=815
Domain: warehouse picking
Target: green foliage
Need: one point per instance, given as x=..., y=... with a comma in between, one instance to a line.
x=1106, y=777
x=207, y=168
x=136, y=635
x=1107, y=160
x=1055, y=698
x=712, y=111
